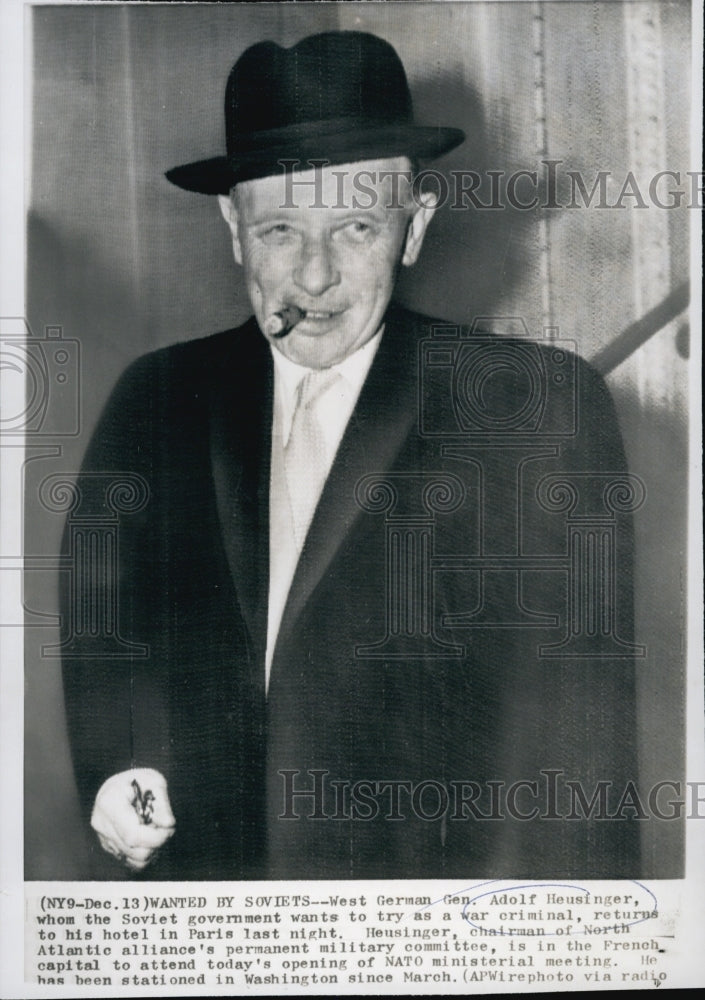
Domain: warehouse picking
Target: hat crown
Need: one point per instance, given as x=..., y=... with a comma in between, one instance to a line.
x=332, y=75
x=336, y=97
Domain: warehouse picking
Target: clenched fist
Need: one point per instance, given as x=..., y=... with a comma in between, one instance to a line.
x=132, y=816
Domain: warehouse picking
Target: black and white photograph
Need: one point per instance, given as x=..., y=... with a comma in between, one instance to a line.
x=354, y=464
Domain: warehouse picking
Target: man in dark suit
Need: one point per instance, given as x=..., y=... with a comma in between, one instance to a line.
x=348, y=576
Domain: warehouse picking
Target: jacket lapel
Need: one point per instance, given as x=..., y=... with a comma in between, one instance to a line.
x=379, y=425
x=240, y=414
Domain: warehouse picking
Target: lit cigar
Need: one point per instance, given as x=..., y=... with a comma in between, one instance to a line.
x=282, y=322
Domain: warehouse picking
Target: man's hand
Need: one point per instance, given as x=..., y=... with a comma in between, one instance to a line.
x=131, y=824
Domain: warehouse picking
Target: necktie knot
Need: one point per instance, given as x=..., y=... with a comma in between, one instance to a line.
x=313, y=385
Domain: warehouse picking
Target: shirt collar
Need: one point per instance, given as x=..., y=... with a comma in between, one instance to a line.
x=288, y=375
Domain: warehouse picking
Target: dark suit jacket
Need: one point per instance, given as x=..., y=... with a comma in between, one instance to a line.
x=194, y=420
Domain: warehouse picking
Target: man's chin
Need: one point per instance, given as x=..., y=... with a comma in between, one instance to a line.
x=309, y=350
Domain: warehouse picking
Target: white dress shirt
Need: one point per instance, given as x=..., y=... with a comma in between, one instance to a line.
x=333, y=408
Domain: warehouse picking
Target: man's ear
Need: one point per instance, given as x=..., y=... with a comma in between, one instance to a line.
x=229, y=213
x=422, y=214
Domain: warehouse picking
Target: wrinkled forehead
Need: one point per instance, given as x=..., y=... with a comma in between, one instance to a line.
x=363, y=185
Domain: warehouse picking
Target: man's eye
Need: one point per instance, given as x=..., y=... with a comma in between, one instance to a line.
x=278, y=233
x=357, y=231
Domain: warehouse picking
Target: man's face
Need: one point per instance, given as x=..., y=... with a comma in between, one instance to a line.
x=332, y=250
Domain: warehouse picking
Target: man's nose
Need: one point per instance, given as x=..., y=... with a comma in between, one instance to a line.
x=317, y=269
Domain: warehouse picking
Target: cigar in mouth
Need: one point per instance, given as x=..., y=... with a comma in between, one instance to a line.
x=283, y=322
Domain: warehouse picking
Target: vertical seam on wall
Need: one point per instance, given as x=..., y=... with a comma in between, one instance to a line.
x=647, y=153
x=541, y=131
x=130, y=154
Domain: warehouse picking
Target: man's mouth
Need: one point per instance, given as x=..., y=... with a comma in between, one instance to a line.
x=318, y=314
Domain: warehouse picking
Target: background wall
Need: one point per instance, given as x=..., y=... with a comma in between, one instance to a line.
x=123, y=262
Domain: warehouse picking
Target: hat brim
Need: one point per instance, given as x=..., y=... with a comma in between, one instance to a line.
x=264, y=156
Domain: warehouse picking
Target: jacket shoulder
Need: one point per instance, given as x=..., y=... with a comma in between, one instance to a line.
x=192, y=356
x=165, y=392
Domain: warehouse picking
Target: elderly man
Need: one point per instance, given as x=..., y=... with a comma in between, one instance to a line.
x=272, y=731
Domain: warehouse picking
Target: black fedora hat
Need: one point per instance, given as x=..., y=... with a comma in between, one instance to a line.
x=339, y=96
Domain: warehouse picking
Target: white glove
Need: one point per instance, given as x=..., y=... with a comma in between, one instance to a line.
x=132, y=816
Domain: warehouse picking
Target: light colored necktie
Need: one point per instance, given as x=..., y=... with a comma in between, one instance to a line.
x=305, y=459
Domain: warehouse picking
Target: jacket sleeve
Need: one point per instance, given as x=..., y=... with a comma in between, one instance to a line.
x=110, y=672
